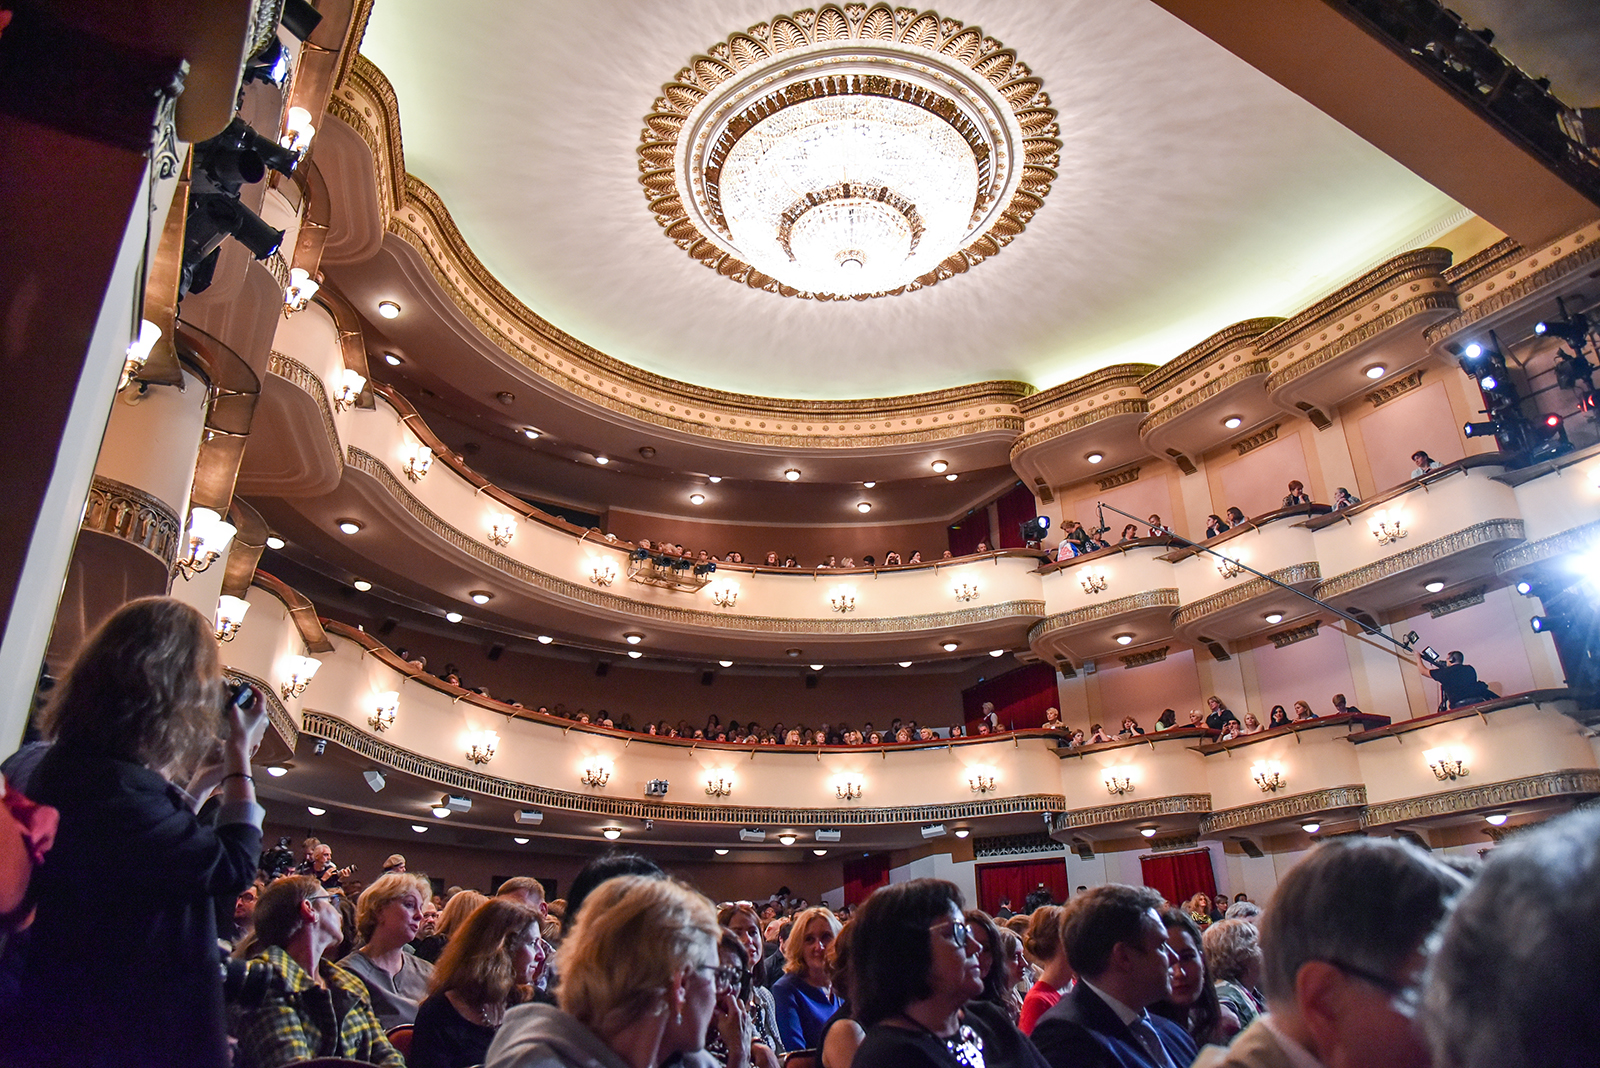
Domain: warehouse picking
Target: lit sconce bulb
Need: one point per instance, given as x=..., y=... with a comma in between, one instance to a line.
x=1447, y=762
x=230, y=616
x=1388, y=526
x=347, y=386
x=417, y=462
x=301, y=288
x=385, y=706
x=297, y=131
x=209, y=537
x=602, y=572
x=982, y=780
x=842, y=599
x=1268, y=775
x=502, y=528
x=301, y=670
x=1118, y=780
x=481, y=746
x=596, y=772
x=139, y=352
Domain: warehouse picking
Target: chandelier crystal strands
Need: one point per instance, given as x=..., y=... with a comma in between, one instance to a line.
x=845, y=153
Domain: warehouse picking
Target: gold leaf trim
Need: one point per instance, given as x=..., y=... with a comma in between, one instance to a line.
x=1577, y=539
x=1283, y=808
x=1480, y=265
x=130, y=514
x=1295, y=634
x=1150, y=656
x=1258, y=439
x=1084, y=388
x=1121, y=478
x=1193, y=359
x=1131, y=406
x=1173, y=805
x=1412, y=266
x=299, y=375
x=1390, y=390
x=1244, y=372
x=1310, y=571
x=1584, y=250
x=1443, y=300
x=1490, y=530
x=1574, y=781
x=1465, y=599
x=277, y=715
x=1163, y=598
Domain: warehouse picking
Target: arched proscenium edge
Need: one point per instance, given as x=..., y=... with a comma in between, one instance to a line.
x=322, y=725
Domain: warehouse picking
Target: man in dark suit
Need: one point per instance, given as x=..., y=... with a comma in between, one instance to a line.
x=1117, y=944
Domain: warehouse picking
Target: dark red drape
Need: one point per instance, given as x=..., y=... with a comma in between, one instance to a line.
x=1020, y=697
x=1015, y=881
x=1015, y=509
x=1180, y=876
x=864, y=875
x=965, y=534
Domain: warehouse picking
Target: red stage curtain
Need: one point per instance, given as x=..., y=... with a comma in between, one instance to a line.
x=1015, y=509
x=1180, y=876
x=1015, y=881
x=965, y=534
x=864, y=875
x=1020, y=697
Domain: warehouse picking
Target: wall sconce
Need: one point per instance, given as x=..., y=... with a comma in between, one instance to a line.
x=297, y=131
x=298, y=293
x=347, y=387
x=1447, y=764
x=1386, y=526
x=725, y=596
x=209, y=536
x=602, y=572
x=847, y=787
x=1230, y=568
x=982, y=780
x=596, y=773
x=138, y=352
x=719, y=785
x=843, y=598
x=1118, y=780
x=481, y=746
x=1093, y=580
x=301, y=669
x=382, y=718
x=230, y=616
x=502, y=528
x=418, y=462
x=1268, y=775
x=966, y=591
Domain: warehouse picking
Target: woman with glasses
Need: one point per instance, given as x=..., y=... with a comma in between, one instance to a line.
x=804, y=995
x=313, y=1007
x=489, y=966
x=731, y=1039
x=746, y=926
x=915, y=974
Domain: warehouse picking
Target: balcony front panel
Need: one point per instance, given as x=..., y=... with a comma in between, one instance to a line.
x=1224, y=603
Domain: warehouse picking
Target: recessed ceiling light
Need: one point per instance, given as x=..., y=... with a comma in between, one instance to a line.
x=392, y=360
x=362, y=584
x=634, y=654
x=1496, y=819
x=388, y=309
x=440, y=812
x=1376, y=371
x=1148, y=832
x=1274, y=617
x=277, y=771
x=868, y=485
x=1095, y=457
x=864, y=507
x=481, y=597
x=820, y=852
x=530, y=433
x=1232, y=422
x=315, y=811
x=519, y=840
x=997, y=652
x=419, y=828
x=962, y=832
x=1124, y=639
x=817, y=667
x=1434, y=587
x=697, y=498
x=905, y=663
x=275, y=542
x=1311, y=828
x=951, y=477
x=726, y=663
x=633, y=639
x=602, y=460
x=713, y=478
x=787, y=838
x=793, y=474
x=612, y=833
x=350, y=526
x=720, y=852
x=951, y=647
x=453, y=617
x=545, y=639
x=940, y=466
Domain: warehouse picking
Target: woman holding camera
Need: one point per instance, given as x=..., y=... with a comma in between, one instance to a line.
x=122, y=965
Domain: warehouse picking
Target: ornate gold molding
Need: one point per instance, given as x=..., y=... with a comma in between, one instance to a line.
x=1162, y=598
x=1569, y=783
x=1295, y=634
x=1390, y=390
x=1490, y=530
x=304, y=378
x=1149, y=656
x=1245, y=371
x=1121, y=478
x=1480, y=265
x=339, y=732
x=947, y=39
x=1576, y=539
x=1083, y=388
x=277, y=715
x=1310, y=571
x=1465, y=599
x=1441, y=299
x=370, y=465
x=1173, y=805
x=1523, y=277
x=1284, y=808
x=1412, y=268
x=1034, y=438
x=132, y=515
x=1256, y=440
x=1239, y=336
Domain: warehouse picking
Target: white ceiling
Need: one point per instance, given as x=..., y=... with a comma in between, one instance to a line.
x=1194, y=192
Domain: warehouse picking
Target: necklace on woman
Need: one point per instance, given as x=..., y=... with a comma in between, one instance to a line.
x=488, y=1020
x=965, y=1045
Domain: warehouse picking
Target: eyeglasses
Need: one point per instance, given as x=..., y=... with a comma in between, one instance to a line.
x=319, y=897
x=959, y=931
x=728, y=977
x=1405, y=998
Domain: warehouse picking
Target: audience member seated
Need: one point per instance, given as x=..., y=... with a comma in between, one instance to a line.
x=1117, y=944
x=1193, y=1004
x=1233, y=957
x=1167, y=720
x=804, y=996
x=913, y=991
x=1512, y=981
x=1297, y=495
x=891, y=559
x=121, y=961
x=491, y=965
x=1052, y=974
x=1196, y=718
x=1130, y=727
x=638, y=983
x=1302, y=711
x=1424, y=463
x=1342, y=709
x=742, y=921
x=1251, y=724
x=313, y=1008
x=1342, y=941
x=916, y=557
x=999, y=959
x=1235, y=517
x=1052, y=720
x=1230, y=731
x=841, y=1035
x=1343, y=498
x=1156, y=528
x=983, y=547
x=1129, y=533
x=1076, y=738
x=1220, y=715
x=1242, y=909
x=388, y=917
x=460, y=905
x=1215, y=525
x=1198, y=909
x=1279, y=717
x=1096, y=735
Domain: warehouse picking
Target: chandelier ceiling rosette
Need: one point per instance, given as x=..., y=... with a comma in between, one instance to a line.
x=849, y=152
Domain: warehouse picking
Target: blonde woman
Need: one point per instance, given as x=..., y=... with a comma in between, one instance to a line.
x=804, y=995
x=491, y=964
x=388, y=916
x=462, y=903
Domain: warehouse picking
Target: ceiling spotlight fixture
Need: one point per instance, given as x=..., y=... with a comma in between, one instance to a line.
x=697, y=498
x=530, y=433
x=440, y=812
x=1274, y=617
x=820, y=852
x=275, y=542
x=725, y=663
x=1232, y=422
x=602, y=460
x=817, y=667
x=962, y=832
x=315, y=811
x=350, y=526
x=453, y=617
x=480, y=597
x=940, y=466
x=788, y=838
x=1148, y=832
x=633, y=639
x=1124, y=639
x=519, y=840
x=388, y=309
x=864, y=507
x=392, y=360
x=720, y=852
x=951, y=477
x=950, y=646
x=1496, y=819
x=419, y=828
x=905, y=663
x=997, y=652
x=545, y=639
x=713, y=479
x=1312, y=827
x=868, y=485
x=1434, y=586
x=792, y=474
x=1095, y=457
x=362, y=585
x=1376, y=371
x=612, y=833
x=277, y=771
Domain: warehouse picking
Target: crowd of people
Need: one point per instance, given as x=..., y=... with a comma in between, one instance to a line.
x=703, y=561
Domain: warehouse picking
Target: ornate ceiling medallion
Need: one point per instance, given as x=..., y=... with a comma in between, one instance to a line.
x=849, y=152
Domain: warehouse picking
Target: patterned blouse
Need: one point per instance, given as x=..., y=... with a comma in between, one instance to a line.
x=301, y=1021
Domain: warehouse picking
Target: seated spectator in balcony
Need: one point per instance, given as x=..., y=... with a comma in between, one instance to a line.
x=1342, y=709
x=1196, y=718
x=983, y=547
x=1343, y=498
x=983, y=730
x=1167, y=720
x=1458, y=681
x=1156, y=528
x=1302, y=711
x=1424, y=463
x=1279, y=717
x=1130, y=727
x=1052, y=719
x=1076, y=738
x=790, y=561
x=1097, y=735
x=1066, y=549
x=958, y=731
x=1230, y=731
x=916, y=557
x=1251, y=724
x=1235, y=517
x=891, y=559
x=1129, y=533
x=792, y=737
x=1233, y=957
x=1215, y=526
x=1219, y=716
x=1297, y=495
x=830, y=562
x=847, y=562
x=924, y=734
x=771, y=560
x=903, y=734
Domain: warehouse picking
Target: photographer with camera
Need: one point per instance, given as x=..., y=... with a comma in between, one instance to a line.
x=1458, y=681
x=120, y=966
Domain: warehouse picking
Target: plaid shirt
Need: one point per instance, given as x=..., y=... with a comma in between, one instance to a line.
x=309, y=1021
